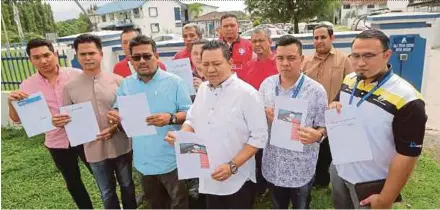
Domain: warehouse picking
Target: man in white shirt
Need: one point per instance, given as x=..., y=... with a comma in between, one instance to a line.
x=228, y=114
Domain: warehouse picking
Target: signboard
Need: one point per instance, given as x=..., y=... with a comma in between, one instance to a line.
x=403, y=44
x=52, y=37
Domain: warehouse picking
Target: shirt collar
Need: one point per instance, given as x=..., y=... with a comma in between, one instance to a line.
x=41, y=77
x=278, y=82
x=224, y=84
x=158, y=75
x=379, y=79
x=271, y=57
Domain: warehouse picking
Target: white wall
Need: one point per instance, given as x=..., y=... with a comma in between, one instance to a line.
x=361, y=10
x=165, y=18
x=398, y=5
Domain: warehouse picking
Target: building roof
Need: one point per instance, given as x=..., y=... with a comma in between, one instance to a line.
x=217, y=15
x=363, y=2
x=118, y=6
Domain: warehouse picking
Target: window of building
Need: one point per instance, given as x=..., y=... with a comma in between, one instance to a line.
x=177, y=13
x=103, y=19
x=155, y=28
x=136, y=13
x=112, y=17
x=346, y=6
x=152, y=11
x=370, y=6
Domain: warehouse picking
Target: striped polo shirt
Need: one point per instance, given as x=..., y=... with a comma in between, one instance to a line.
x=394, y=120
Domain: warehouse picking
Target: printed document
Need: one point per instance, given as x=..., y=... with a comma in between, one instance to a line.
x=191, y=155
x=34, y=114
x=348, y=140
x=134, y=110
x=83, y=127
x=182, y=68
x=289, y=115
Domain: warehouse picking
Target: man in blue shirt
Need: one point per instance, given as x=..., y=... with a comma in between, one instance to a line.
x=168, y=99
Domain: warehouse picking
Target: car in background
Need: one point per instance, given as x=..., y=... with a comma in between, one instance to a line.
x=168, y=38
x=272, y=28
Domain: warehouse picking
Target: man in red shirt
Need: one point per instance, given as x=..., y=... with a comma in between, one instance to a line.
x=190, y=32
x=263, y=66
x=255, y=72
x=240, y=49
x=123, y=68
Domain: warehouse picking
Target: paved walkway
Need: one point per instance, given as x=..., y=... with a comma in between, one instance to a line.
x=432, y=94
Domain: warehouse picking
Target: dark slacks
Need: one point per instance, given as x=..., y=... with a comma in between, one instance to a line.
x=242, y=199
x=66, y=161
x=322, y=174
x=165, y=191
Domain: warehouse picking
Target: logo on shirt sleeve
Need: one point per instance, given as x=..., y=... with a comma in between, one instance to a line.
x=241, y=51
x=414, y=145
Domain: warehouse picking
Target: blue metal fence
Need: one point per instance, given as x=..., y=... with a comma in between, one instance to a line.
x=16, y=67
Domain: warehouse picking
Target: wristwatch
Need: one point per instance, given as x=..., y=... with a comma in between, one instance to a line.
x=233, y=167
x=323, y=136
x=173, y=119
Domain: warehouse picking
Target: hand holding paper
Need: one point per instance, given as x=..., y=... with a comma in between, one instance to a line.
x=133, y=111
x=83, y=127
x=34, y=114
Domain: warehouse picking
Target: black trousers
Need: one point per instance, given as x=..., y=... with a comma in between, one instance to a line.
x=242, y=199
x=262, y=184
x=66, y=160
x=165, y=191
x=322, y=175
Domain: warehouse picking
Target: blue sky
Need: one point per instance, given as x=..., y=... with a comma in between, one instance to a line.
x=63, y=10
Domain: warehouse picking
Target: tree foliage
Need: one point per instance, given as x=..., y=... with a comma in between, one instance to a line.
x=195, y=9
x=290, y=11
x=36, y=19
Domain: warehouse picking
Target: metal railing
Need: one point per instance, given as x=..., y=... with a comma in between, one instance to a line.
x=16, y=67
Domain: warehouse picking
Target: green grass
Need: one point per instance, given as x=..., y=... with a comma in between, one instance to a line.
x=17, y=70
x=30, y=179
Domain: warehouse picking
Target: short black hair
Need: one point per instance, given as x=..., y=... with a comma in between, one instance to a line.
x=228, y=15
x=288, y=40
x=38, y=42
x=374, y=34
x=87, y=38
x=197, y=42
x=141, y=40
x=129, y=30
x=213, y=45
x=329, y=29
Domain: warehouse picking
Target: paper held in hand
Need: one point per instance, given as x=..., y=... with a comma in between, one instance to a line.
x=34, y=114
x=289, y=115
x=347, y=138
x=134, y=110
x=83, y=127
x=182, y=68
x=191, y=155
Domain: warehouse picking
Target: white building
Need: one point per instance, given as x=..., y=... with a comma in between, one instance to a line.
x=152, y=18
x=350, y=9
x=211, y=21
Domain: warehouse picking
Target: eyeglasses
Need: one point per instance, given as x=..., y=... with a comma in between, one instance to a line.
x=146, y=57
x=366, y=56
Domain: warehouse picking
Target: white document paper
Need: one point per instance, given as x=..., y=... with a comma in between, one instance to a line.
x=191, y=156
x=182, y=68
x=83, y=127
x=134, y=109
x=289, y=115
x=34, y=114
x=348, y=141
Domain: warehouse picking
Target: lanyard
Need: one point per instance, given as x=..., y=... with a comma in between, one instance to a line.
x=296, y=90
x=387, y=77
